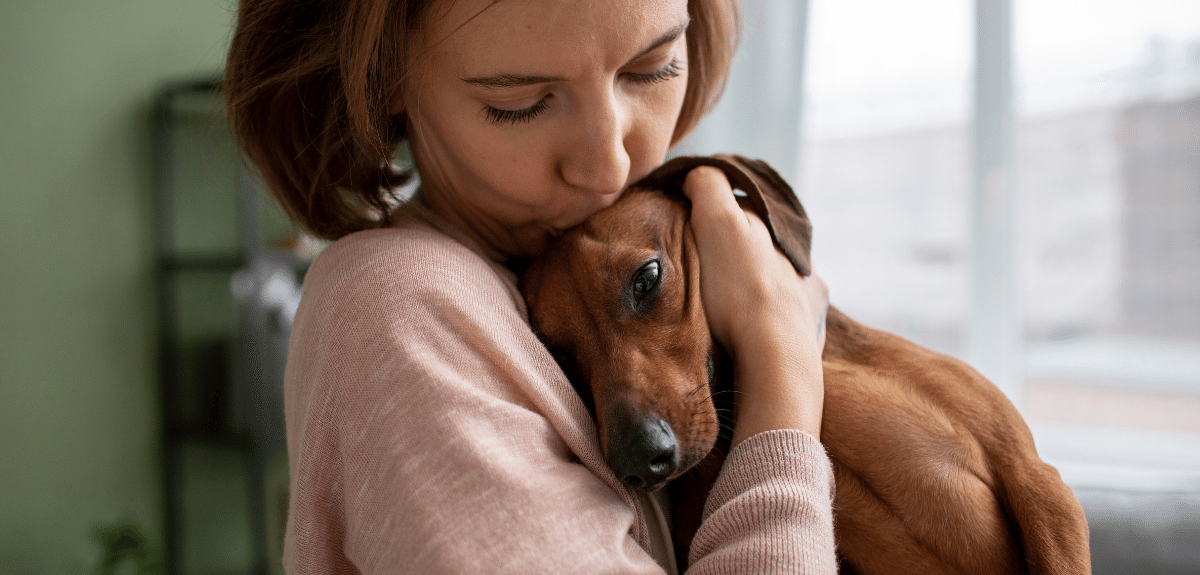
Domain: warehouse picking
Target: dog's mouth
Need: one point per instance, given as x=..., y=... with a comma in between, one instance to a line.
x=648, y=455
x=647, y=450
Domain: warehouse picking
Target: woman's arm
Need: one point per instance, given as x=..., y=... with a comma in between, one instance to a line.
x=761, y=310
x=771, y=320
x=430, y=432
x=426, y=433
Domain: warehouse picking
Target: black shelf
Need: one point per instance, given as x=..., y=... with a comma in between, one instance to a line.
x=220, y=364
x=211, y=435
x=202, y=262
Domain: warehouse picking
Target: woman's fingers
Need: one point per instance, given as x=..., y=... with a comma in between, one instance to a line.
x=710, y=193
x=742, y=272
x=760, y=309
x=725, y=239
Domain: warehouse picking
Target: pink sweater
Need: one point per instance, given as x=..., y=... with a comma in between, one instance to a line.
x=430, y=432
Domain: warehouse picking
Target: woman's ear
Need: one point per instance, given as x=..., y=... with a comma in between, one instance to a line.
x=396, y=104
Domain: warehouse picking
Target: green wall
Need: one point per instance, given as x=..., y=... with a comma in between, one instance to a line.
x=78, y=397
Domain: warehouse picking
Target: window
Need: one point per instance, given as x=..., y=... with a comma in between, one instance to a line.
x=1104, y=233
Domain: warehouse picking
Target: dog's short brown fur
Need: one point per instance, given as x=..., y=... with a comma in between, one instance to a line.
x=935, y=470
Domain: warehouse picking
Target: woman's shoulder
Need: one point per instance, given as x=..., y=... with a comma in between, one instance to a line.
x=406, y=264
x=413, y=249
x=406, y=303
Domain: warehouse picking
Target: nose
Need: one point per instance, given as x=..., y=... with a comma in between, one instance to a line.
x=644, y=453
x=596, y=158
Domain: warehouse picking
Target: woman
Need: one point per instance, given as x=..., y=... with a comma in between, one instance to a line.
x=428, y=429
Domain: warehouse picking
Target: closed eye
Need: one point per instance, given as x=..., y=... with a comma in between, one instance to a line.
x=503, y=117
x=512, y=117
x=671, y=70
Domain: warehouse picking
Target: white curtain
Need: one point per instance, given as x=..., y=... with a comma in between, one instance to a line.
x=759, y=115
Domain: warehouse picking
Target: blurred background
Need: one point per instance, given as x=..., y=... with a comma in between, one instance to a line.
x=1013, y=183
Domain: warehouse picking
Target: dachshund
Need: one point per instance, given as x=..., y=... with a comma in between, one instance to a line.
x=935, y=471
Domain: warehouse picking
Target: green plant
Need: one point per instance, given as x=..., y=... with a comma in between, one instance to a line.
x=126, y=550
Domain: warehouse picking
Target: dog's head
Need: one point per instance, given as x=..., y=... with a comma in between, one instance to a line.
x=617, y=301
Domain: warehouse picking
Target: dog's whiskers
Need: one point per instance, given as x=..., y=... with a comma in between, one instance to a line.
x=712, y=396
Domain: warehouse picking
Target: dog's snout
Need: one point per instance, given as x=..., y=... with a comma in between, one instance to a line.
x=645, y=453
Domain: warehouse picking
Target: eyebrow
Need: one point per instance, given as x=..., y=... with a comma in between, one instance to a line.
x=497, y=81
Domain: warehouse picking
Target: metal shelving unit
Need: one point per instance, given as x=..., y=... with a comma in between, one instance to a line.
x=221, y=353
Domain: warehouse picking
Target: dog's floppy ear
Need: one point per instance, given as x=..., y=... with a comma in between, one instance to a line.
x=766, y=193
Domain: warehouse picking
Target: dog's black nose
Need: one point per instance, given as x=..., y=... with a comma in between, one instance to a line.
x=644, y=453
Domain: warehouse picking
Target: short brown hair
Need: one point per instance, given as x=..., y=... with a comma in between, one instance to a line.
x=307, y=85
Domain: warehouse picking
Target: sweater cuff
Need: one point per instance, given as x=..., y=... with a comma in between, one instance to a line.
x=771, y=509
x=777, y=461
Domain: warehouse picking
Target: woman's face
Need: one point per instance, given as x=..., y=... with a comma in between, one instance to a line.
x=526, y=116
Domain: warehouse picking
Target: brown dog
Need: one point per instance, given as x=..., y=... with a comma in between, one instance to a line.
x=935, y=470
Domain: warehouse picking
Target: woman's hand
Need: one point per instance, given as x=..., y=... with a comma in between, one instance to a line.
x=769, y=318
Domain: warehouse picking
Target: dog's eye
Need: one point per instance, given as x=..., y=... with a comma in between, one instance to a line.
x=645, y=280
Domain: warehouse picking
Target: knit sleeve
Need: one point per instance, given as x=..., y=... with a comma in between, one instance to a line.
x=770, y=510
